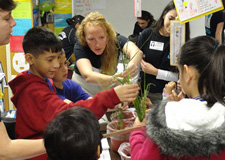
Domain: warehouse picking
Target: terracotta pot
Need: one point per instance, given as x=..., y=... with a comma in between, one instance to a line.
x=118, y=139
x=127, y=115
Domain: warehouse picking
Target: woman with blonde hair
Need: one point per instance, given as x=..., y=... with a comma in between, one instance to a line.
x=97, y=54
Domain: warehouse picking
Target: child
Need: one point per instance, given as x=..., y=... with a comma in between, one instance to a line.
x=66, y=88
x=73, y=134
x=35, y=97
x=194, y=128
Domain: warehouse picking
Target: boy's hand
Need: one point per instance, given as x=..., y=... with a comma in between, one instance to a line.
x=67, y=101
x=169, y=87
x=127, y=92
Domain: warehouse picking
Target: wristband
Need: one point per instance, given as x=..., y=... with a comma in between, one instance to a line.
x=165, y=95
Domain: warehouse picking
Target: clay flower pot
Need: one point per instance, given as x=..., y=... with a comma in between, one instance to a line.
x=118, y=139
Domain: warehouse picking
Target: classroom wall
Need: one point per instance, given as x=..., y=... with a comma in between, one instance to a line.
x=120, y=13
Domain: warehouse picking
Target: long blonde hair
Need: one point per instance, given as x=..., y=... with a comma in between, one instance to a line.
x=109, y=56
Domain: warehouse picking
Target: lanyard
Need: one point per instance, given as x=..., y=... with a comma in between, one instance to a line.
x=47, y=81
x=199, y=98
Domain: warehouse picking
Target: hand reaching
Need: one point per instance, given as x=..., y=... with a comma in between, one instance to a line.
x=131, y=70
x=127, y=92
x=148, y=68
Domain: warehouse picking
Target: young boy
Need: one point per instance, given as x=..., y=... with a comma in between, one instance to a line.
x=73, y=134
x=66, y=88
x=35, y=97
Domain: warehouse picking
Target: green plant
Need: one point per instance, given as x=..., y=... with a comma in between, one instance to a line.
x=140, y=102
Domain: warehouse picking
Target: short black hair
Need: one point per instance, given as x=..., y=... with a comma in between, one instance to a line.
x=39, y=40
x=7, y=5
x=73, y=134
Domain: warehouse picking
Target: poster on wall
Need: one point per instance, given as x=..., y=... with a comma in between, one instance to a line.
x=137, y=8
x=191, y=9
x=82, y=7
x=177, y=39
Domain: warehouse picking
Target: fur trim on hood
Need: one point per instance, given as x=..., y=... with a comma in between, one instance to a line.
x=183, y=143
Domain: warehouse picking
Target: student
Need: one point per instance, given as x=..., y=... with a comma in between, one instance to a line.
x=98, y=52
x=66, y=88
x=192, y=128
x=155, y=44
x=143, y=22
x=34, y=95
x=67, y=36
x=73, y=134
x=13, y=149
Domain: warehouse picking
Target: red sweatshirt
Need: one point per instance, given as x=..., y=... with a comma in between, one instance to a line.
x=36, y=104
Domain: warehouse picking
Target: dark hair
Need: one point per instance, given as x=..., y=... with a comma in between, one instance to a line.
x=214, y=77
x=40, y=39
x=198, y=52
x=7, y=5
x=145, y=15
x=73, y=21
x=160, y=22
x=73, y=134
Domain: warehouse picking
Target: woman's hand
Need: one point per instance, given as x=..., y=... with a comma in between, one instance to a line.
x=148, y=68
x=131, y=70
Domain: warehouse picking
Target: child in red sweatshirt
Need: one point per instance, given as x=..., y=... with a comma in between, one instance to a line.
x=34, y=95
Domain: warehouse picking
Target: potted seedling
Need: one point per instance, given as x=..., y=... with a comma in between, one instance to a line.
x=118, y=122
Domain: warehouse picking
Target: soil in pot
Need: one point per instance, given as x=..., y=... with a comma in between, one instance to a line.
x=118, y=139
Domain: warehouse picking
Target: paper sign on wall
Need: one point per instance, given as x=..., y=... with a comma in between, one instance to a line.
x=177, y=39
x=191, y=9
x=137, y=8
